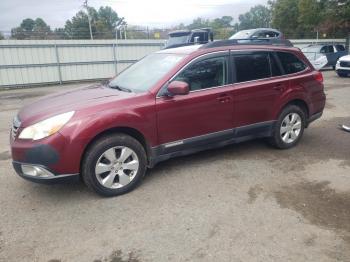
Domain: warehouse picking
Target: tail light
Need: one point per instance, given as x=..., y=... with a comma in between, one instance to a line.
x=319, y=77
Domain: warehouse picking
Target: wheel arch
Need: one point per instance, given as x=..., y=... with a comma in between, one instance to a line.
x=134, y=133
x=298, y=102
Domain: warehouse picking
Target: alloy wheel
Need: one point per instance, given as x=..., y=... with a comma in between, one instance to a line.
x=117, y=167
x=290, y=128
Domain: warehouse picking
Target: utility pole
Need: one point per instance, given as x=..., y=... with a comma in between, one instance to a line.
x=87, y=11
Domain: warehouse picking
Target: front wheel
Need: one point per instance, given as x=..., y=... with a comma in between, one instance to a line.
x=114, y=165
x=289, y=127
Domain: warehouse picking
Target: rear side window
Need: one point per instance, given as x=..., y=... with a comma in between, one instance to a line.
x=275, y=69
x=252, y=66
x=290, y=63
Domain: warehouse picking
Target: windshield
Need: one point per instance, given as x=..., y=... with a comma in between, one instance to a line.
x=142, y=75
x=176, y=40
x=241, y=34
x=311, y=49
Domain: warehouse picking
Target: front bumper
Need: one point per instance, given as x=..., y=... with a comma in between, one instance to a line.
x=41, y=174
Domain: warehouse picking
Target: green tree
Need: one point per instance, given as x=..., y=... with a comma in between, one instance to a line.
x=337, y=18
x=199, y=23
x=311, y=13
x=285, y=14
x=222, y=27
x=258, y=16
x=31, y=29
x=27, y=24
x=103, y=24
x=1, y=36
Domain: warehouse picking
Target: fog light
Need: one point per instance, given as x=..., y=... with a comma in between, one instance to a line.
x=35, y=171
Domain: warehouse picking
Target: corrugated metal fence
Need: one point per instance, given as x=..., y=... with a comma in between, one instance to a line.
x=32, y=62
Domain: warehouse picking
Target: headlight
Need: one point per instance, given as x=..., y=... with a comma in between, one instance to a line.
x=46, y=127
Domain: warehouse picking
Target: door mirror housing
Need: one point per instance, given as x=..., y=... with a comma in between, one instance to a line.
x=178, y=88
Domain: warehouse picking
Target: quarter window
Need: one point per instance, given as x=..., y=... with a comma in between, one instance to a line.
x=290, y=63
x=252, y=66
x=204, y=74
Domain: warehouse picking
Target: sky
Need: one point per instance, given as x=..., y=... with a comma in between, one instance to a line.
x=153, y=13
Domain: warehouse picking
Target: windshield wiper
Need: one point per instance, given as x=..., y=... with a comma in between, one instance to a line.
x=124, y=89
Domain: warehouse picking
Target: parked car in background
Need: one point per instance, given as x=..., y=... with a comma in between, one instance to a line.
x=189, y=37
x=171, y=103
x=324, y=55
x=343, y=66
x=258, y=33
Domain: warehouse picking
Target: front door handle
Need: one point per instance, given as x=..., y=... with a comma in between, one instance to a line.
x=224, y=98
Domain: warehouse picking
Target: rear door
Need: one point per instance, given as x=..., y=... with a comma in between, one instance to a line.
x=206, y=110
x=259, y=84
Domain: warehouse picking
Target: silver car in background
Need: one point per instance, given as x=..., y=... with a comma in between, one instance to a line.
x=258, y=33
x=324, y=55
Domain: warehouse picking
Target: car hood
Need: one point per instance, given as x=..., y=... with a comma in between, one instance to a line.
x=73, y=100
x=345, y=58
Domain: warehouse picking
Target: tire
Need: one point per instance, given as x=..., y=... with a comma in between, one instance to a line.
x=285, y=140
x=114, y=165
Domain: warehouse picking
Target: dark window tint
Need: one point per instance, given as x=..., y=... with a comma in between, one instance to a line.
x=324, y=50
x=340, y=48
x=330, y=49
x=208, y=73
x=265, y=34
x=275, y=69
x=252, y=67
x=290, y=63
x=201, y=37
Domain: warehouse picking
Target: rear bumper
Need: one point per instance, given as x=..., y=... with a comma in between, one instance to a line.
x=41, y=174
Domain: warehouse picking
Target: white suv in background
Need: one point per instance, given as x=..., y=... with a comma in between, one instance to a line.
x=343, y=66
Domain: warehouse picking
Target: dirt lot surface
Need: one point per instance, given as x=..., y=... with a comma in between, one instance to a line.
x=246, y=202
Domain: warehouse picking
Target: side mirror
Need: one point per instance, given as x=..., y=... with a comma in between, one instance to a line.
x=178, y=88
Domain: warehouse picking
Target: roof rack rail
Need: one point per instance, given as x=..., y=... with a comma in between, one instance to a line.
x=254, y=41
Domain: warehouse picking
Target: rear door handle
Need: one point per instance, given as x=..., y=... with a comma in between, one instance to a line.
x=279, y=87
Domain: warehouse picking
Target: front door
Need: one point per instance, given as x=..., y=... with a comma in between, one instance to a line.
x=203, y=113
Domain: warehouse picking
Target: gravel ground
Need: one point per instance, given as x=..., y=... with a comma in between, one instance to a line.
x=246, y=202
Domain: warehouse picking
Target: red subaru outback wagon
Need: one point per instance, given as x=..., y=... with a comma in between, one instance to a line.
x=171, y=103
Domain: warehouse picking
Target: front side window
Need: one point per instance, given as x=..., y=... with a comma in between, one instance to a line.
x=290, y=63
x=252, y=66
x=141, y=76
x=211, y=72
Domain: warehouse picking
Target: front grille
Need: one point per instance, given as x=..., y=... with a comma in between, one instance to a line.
x=15, y=126
x=344, y=64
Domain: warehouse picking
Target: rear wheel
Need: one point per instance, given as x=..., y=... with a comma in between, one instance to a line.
x=289, y=127
x=114, y=165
